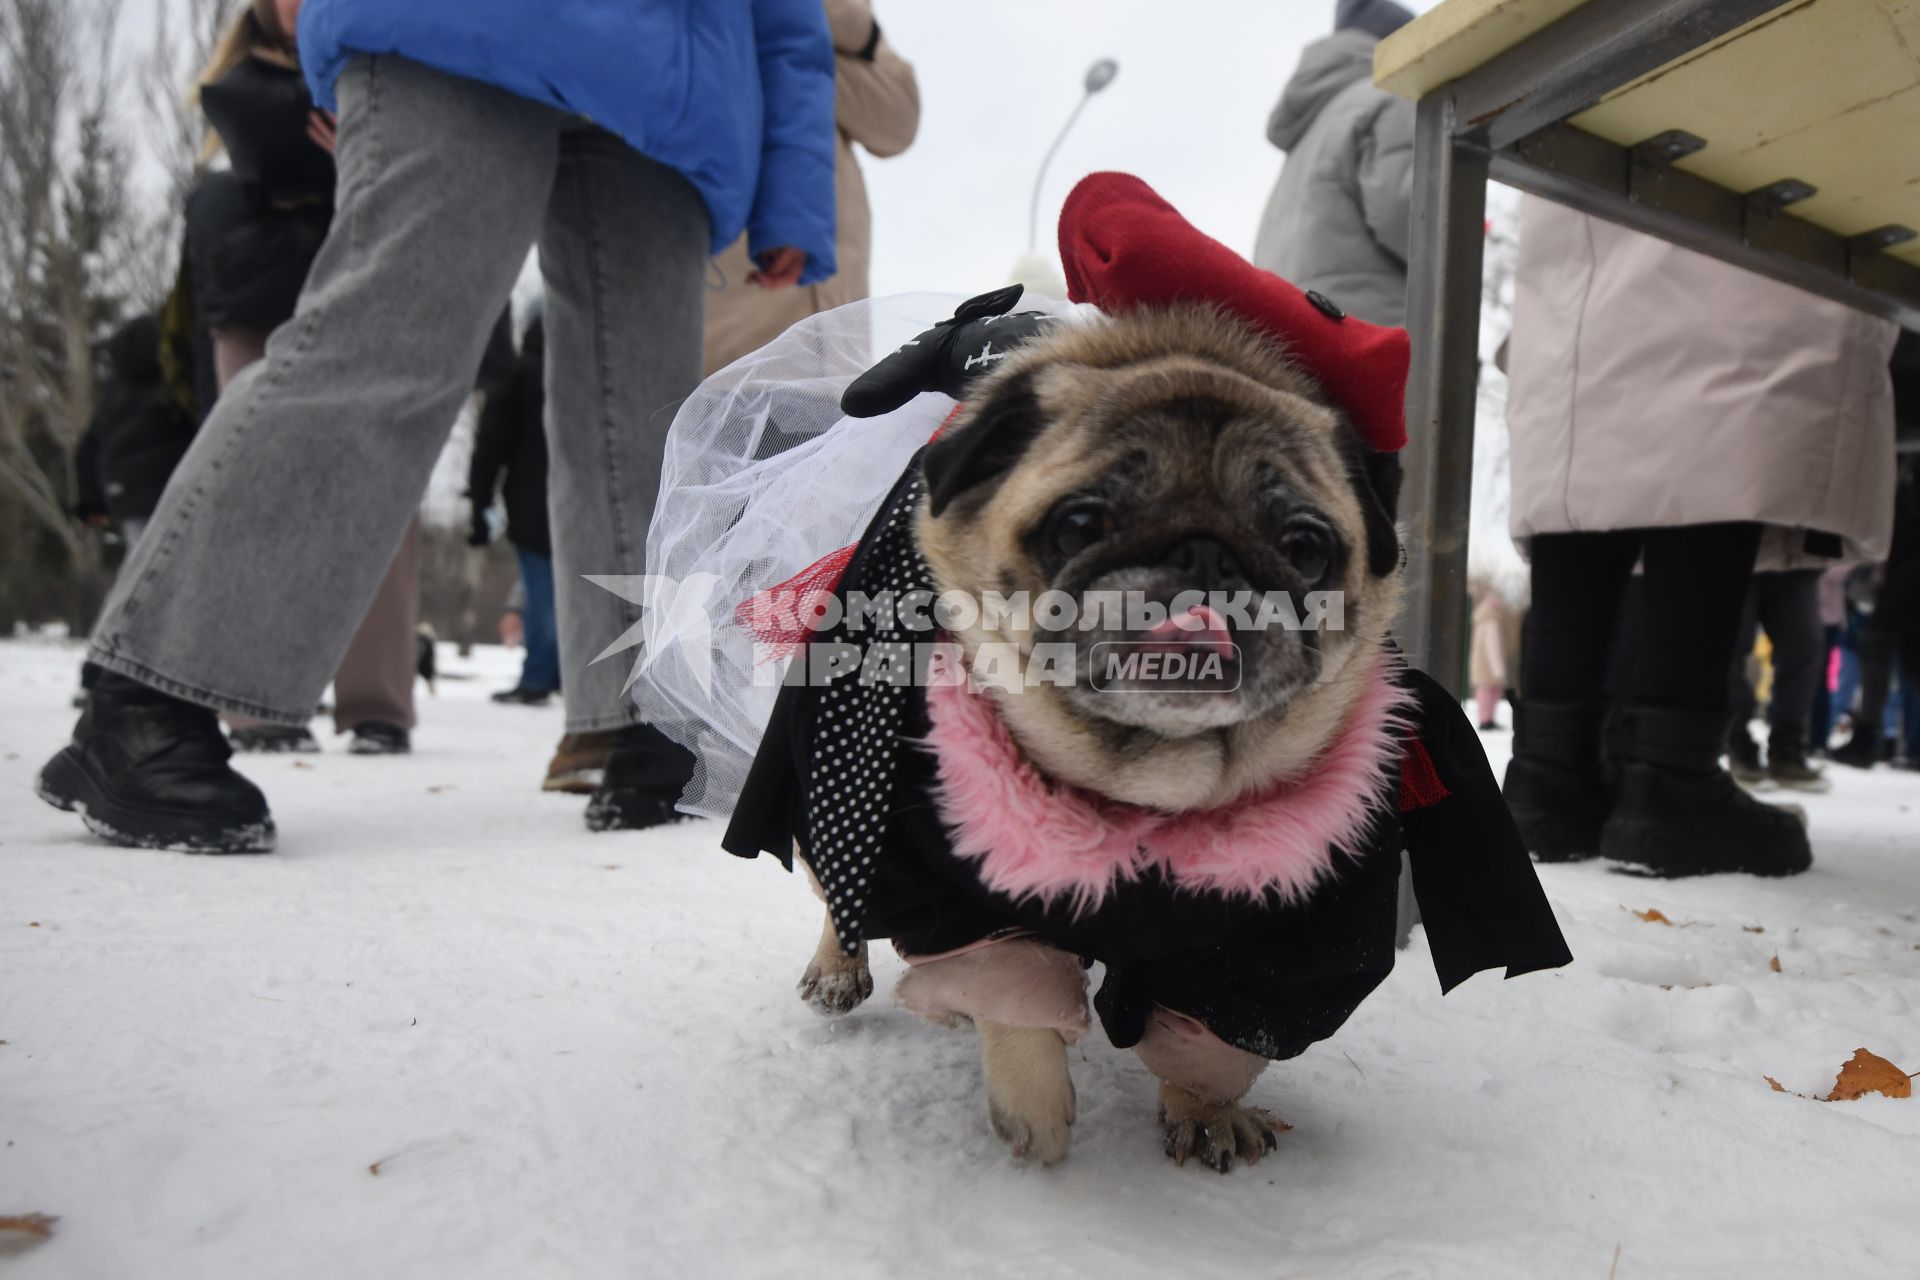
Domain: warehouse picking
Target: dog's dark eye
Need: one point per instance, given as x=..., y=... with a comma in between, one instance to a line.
x=1074, y=528
x=1309, y=549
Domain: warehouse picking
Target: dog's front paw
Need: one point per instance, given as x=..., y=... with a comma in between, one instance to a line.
x=1030, y=1100
x=836, y=984
x=1041, y=1134
x=1216, y=1132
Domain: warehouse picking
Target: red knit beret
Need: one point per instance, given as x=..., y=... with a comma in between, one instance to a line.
x=1124, y=247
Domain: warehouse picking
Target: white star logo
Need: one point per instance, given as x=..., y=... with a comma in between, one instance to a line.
x=674, y=613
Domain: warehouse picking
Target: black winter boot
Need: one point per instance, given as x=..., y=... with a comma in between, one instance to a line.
x=1676, y=812
x=1862, y=750
x=273, y=739
x=1787, y=763
x=1556, y=787
x=378, y=738
x=645, y=774
x=151, y=771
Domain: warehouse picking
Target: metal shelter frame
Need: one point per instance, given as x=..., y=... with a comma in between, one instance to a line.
x=1505, y=120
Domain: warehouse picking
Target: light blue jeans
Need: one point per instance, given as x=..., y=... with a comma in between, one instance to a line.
x=281, y=521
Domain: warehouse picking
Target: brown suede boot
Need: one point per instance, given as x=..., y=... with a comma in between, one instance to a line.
x=578, y=763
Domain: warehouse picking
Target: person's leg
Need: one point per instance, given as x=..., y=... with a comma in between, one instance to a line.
x=1555, y=785
x=1878, y=649
x=624, y=255
x=1743, y=753
x=1486, y=697
x=541, y=668
x=233, y=351
x=1910, y=693
x=1904, y=708
x=624, y=252
x=1676, y=812
x=1695, y=585
x=1846, y=684
x=1791, y=611
x=1790, y=608
x=1820, y=723
x=374, y=682
x=1578, y=582
x=278, y=525
x=282, y=519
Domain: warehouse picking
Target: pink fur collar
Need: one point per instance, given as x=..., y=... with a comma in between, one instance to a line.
x=1035, y=838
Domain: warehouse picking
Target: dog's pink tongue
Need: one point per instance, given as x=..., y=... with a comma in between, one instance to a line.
x=1200, y=626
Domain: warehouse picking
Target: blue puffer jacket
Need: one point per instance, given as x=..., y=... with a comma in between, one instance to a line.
x=735, y=94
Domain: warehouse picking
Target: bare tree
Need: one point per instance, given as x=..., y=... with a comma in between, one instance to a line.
x=69, y=246
x=185, y=33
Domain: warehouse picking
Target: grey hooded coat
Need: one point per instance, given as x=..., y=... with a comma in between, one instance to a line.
x=1337, y=219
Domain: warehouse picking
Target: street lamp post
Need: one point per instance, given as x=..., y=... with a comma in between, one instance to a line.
x=1098, y=77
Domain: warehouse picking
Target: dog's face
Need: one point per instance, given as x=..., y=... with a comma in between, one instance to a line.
x=1209, y=515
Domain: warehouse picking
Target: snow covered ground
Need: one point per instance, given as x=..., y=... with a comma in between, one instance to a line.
x=444, y=1031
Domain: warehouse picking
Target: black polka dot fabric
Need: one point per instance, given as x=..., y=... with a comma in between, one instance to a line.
x=854, y=728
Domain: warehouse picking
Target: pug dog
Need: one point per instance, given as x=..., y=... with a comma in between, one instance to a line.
x=1227, y=844
x=1162, y=454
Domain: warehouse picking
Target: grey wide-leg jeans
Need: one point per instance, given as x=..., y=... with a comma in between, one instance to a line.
x=281, y=521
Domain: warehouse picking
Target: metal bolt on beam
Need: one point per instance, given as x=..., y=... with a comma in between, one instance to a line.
x=1784, y=192
x=1674, y=144
x=1885, y=237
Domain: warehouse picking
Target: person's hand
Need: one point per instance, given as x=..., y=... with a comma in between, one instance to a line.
x=779, y=268
x=479, y=528
x=513, y=629
x=321, y=127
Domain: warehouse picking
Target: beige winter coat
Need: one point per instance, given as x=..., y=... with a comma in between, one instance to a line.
x=1653, y=386
x=876, y=104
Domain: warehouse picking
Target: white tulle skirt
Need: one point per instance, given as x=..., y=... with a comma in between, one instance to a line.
x=763, y=477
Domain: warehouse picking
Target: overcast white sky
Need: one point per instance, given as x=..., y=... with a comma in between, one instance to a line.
x=997, y=78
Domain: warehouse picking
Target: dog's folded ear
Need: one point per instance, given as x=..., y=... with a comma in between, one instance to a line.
x=985, y=447
x=1375, y=477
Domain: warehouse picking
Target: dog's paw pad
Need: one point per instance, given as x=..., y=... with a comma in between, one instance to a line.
x=1216, y=1134
x=833, y=990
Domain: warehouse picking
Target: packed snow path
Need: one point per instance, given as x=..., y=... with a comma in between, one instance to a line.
x=445, y=1031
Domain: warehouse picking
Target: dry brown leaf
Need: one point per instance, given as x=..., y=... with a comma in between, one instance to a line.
x=33, y=924
x=301, y=764
x=1774, y=964
x=32, y=1224
x=441, y=788
x=1653, y=915
x=1752, y=928
x=1867, y=1073
x=1777, y=1086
